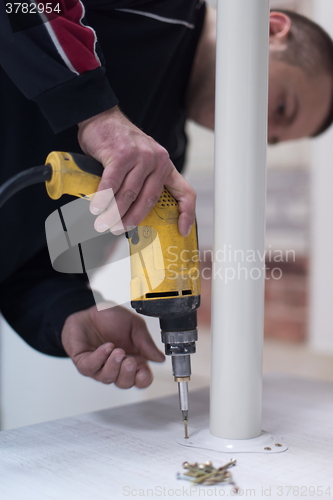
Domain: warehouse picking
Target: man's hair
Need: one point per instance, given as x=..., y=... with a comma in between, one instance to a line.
x=311, y=48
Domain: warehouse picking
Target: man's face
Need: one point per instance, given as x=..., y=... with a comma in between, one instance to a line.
x=298, y=104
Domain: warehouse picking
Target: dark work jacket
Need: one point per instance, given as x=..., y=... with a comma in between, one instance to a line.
x=54, y=75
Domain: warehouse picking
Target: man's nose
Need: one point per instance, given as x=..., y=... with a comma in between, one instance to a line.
x=274, y=132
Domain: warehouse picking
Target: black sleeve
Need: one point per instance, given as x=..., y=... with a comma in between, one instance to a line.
x=36, y=301
x=56, y=63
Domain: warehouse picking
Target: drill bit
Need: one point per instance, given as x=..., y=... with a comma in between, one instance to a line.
x=185, y=424
x=183, y=403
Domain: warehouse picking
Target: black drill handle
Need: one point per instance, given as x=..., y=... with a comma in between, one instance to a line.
x=88, y=164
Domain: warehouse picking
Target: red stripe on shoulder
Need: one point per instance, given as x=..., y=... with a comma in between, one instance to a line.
x=76, y=40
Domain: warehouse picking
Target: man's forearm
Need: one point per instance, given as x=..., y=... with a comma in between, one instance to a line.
x=201, y=90
x=55, y=64
x=36, y=301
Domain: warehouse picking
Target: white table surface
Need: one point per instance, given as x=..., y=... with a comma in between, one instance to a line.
x=131, y=451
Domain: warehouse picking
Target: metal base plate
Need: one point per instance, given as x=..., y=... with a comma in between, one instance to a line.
x=265, y=443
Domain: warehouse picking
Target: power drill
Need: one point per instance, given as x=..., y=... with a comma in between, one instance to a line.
x=162, y=287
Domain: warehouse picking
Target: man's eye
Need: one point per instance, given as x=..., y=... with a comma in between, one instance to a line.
x=281, y=109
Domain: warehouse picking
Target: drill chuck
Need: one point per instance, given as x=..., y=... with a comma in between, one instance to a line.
x=180, y=345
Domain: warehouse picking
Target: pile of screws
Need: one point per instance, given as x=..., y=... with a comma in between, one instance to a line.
x=207, y=474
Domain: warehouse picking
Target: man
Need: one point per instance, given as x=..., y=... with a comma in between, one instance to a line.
x=58, y=66
x=160, y=75
x=300, y=77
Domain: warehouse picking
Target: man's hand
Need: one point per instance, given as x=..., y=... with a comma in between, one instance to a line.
x=135, y=168
x=112, y=346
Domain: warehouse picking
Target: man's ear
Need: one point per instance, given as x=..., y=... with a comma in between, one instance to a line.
x=279, y=26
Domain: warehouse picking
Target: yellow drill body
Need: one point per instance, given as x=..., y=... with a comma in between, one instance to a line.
x=164, y=264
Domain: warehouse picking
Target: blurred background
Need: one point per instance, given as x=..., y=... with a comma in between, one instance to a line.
x=298, y=306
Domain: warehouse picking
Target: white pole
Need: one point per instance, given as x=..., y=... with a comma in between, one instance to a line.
x=321, y=283
x=239, y=218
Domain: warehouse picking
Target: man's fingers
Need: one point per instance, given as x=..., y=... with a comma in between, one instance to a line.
x=186, y=197
x=146, y=200
x=89, y=363
x=111, y=366
x=150, y=193
x=136, y=188
x=121, y=203
x=126, y=377
x=134, y=371
x=112, y=178
x=136, y=166
x=143, y=376
x=108, y=218
x=127, y=197
x=143, y=379
x=109, y=372
x=125, y=365
x=101, y=200
x=138, y=192
x=125, y=371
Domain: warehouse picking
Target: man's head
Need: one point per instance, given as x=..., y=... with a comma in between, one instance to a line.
x=300, y=78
